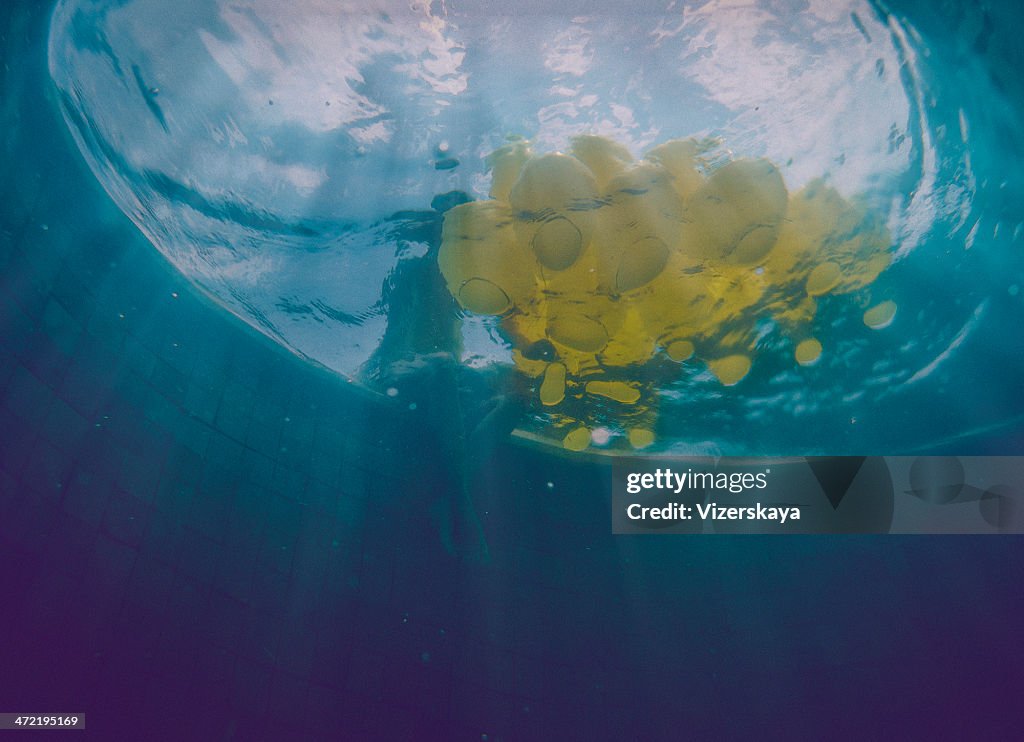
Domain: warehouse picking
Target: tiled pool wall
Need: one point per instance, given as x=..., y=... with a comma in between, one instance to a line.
x=203, y=534
x=203, y=537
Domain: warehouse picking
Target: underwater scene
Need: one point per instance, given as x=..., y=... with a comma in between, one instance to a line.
x=331, y=330
x=732, y=229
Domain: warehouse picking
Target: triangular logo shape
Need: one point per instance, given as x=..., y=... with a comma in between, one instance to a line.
x=835, y=474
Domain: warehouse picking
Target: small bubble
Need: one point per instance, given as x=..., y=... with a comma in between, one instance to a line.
x=412, y=405
x=174, y=294
x=551, y=485
x=1014, y=290
x=425, y=656
x=45, y=227
x=287, y=419
x=392, y=392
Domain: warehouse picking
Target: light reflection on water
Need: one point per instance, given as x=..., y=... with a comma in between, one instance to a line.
x=290, y=159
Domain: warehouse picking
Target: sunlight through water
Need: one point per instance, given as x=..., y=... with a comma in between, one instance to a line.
x=715, y=226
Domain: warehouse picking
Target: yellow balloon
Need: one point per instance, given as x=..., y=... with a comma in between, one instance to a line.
x=681, y=158
x=552, y=390
x=737, y=212
x=604, y=158
x=553, y=202
x=881, y=315
x=823, y=279
x=640, y=437
x=579, y=332
x=505, y=164
x=484, y=268
x=620, y=391
x=680, y=350
x=808, y=352
x=731, y=369
x=577, y=439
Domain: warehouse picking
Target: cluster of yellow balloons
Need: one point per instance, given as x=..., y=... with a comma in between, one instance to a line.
x=597, y=263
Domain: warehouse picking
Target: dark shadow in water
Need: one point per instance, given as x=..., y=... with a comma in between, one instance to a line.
x=451, y=417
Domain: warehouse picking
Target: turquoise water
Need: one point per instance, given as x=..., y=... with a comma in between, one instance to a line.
x=209, y=532
x=291, y=161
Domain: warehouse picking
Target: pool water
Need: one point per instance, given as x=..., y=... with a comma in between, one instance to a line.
x=289, y=160
x=227, y=378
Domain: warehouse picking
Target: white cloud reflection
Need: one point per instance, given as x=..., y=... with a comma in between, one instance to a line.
x=569, y=52
x=311, y=60
x=331, y=113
